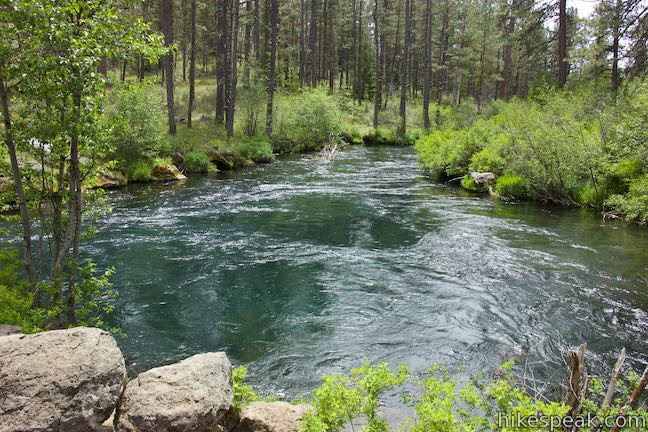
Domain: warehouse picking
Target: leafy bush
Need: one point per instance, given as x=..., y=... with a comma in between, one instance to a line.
x=243, y=393
x=344, y=398
x=446, y=150
x=442, y=404
x=15, y=296
x=136, y=116
x=307, y=120
x=486, y=160
x=468, y=183
x=634, y=205
x=139, y=172
x=512, y=186
x=380, y=136
x=197, y=161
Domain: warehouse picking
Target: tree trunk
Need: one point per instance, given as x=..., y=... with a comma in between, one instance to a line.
x=302, y=44
x=379, y=55
x=18, y=183
x=274, y=23
x=508, y=53
x=616, y=36
x=312, y=45
x=562, y=43
x=231, y=100
x=221, y=59
x=405, y=67
x=192, y=65
x=167, y=29
x=428, y=64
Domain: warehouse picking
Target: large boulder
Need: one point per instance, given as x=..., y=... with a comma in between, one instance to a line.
x=166, y=172
x=109, y=179
x=194, y=395
x=8, y=329
x=225, y=160
x=61, y=380
x=271, y=417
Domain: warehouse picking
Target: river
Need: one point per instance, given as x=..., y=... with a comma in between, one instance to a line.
x=301, y=268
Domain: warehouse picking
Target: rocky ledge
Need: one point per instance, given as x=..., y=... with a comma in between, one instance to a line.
x=75, y=380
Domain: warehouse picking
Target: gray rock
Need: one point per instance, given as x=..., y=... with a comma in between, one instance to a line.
x=271, y=417
x=166, y=172
x=62, y=380
x=8, y=329
x=483, y=178
x=194, y=395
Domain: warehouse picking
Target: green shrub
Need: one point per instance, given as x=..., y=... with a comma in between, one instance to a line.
x=486, y=160
x=634, y=205
x=197, y=161
x=15, y=296
x=139, y=172
x=256, y=149
x=380, y=136
x=243, y=393
x=468, y=183
x=617, y=179
x=512, y=186
x=308, y=119
x=137, y=120
x=446, y=150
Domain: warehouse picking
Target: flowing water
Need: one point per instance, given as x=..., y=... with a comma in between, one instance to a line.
x=301, y=268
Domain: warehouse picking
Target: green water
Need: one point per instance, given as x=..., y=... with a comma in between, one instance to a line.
x=301, y=268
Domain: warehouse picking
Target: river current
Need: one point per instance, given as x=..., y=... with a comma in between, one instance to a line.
x=302, y=267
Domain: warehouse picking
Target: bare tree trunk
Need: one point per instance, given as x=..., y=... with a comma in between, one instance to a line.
x=405, y=67
x=616, y=37
x=508, y=51
x=428, y=64
x=18, y=183
x=221, y=60
x=272, y=79
x=302, y=44
x=231, y=100
x=312, y=45
x=562, y=43
x=192, y=65
x=379, y=55
x=167, y=29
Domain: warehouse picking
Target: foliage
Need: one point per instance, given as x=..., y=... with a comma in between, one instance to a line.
x=634, y=204
x=243, y=393
x=15, y=295
x=305, y=121
x=443, y=404
x=552, y=148
x=197, y=161
x=468, y=183
x=136, y=116
x=344, y=398
x=140, y=172
x=512, y=186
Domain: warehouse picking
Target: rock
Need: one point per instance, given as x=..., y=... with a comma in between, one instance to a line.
x=271, y=417
x=62, y=380
x=109, y=179
x=165, y=172
x=225, y=160
x=484, y=178
x=194, y=395
x=8, y=329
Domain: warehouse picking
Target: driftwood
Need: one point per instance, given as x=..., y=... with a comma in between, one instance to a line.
x=613, y=381
x=576, y=379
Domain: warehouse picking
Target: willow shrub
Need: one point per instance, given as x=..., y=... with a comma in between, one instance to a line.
x=136, y=118
x=563, y=146
x=443, y=404
x=305, y=121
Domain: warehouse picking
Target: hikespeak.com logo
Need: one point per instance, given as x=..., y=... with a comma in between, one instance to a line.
x=556, y=423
